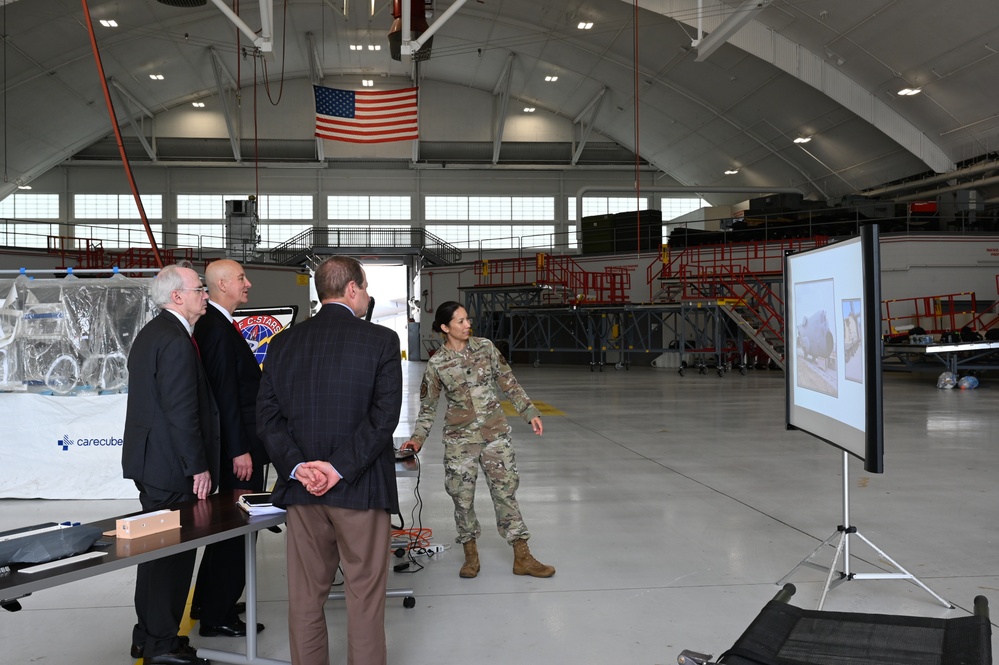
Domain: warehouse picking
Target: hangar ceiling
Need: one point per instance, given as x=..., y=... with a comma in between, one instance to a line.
x=825, y=70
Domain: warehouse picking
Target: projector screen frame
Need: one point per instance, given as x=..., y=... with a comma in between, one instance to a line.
x=818, y=402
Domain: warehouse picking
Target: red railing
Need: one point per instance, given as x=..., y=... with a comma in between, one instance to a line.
x=744, y=289
x=569, y=281
x=979, y=323
x=93, y=255
x=758, y=257
x=90, y=255
x=934, y=314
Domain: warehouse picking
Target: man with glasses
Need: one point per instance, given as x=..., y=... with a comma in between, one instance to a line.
x=171, y=451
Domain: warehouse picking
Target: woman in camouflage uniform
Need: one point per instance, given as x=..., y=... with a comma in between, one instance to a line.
x=476, y=435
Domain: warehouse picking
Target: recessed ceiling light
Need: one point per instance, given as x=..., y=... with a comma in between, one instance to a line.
x=356, y=47
x=24, y=186
x=803, y=139
x=529, y=109
x=109, y=23
x=908, y=92
x=731, y=171
x=367, y=83
x=585, y=25
x=551, y=79
x=156, y=77
x=374, y=47
x=198, y=105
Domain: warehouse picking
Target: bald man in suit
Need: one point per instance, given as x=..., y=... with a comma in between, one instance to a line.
x=234, y=376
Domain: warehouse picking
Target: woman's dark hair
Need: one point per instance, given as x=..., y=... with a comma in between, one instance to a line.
x=445, y=312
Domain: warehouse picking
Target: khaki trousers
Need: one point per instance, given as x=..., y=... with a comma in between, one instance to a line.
x=320, y=538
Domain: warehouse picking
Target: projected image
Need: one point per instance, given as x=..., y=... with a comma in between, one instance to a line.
x=816, y=341
x=853, y=341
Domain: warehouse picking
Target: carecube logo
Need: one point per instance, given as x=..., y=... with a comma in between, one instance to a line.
x=101, y=442
x=258, y=331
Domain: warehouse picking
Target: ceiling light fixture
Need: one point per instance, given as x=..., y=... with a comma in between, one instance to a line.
x=109, y=23
x=551, y=79
x=909, y=92
x=198, y=105
x=356, y=47
x=529, y=109
x=374, y=47
x=24, y=186
x=731, y=171
x=156, y=77
x=585, y=25
x=803, y=139
x=367, y=83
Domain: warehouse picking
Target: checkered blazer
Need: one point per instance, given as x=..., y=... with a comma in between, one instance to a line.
x=332, y=390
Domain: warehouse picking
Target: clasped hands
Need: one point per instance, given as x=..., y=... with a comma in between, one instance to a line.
x=317, y=477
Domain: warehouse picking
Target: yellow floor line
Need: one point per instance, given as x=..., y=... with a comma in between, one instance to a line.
x=545, y=409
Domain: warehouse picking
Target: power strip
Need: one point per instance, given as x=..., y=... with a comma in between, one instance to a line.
x=434, y=548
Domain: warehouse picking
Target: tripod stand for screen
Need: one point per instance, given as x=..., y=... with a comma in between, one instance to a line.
x=843, y=533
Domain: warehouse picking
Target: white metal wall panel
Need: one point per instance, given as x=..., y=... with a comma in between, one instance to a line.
x=810, y=68
x=786, y=55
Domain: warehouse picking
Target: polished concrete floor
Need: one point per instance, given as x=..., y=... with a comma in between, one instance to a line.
x=670, y=506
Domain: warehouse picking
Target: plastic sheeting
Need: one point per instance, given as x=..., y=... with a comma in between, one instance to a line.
x=70, y=336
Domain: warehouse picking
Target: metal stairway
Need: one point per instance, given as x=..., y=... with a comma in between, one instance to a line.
x=752, y=327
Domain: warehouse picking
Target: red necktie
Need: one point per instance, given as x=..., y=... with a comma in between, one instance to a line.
x=196, y=349
x=236, y=326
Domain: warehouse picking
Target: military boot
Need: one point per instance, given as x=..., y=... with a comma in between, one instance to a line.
x=525, y=564
x=471, y=566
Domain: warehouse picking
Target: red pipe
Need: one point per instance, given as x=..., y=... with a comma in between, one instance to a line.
x=117, y=135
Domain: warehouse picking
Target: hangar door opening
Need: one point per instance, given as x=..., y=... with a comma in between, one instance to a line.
x=387, y=285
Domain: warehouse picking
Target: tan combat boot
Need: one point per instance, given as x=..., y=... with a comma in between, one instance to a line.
x=471, y=566
x=525, y=564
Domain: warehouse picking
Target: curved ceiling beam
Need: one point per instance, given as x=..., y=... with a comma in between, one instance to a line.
x=626, y=138
x=769, y=45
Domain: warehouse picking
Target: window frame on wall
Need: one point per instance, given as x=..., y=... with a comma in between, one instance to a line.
x=207, y=234
x=204, y=206
x=490, y=236
x=30, y=206
x=603, y=205
x=372, y=208
x=672, y=208
x=27, y=234
x=116, y=206
x=489, y=208
x=265, y=232
x=110, y=235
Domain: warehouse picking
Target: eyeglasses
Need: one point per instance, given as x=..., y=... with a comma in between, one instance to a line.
x=203, y=289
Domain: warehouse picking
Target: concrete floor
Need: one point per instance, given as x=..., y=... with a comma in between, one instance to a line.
x=670, y=506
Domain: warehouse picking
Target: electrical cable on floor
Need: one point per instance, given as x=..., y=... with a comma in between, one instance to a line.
x=417, y=537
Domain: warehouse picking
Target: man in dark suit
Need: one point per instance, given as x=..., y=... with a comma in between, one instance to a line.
x=234, y=376
x=171, y=450
x=329, y=402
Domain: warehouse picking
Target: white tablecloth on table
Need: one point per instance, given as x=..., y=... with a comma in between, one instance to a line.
x=55, y=447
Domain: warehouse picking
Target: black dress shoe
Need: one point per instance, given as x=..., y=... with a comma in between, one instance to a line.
x=185, y=655
x=137, y=649
x=196, y=610
x=237, y=629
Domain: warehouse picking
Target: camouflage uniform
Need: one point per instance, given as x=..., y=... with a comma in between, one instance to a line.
x=476, y=432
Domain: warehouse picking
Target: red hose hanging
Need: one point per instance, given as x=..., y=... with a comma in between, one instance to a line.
x=117, y=135
x=638, y=158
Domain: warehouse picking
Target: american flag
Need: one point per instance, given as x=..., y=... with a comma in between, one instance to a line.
x=366, y=116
